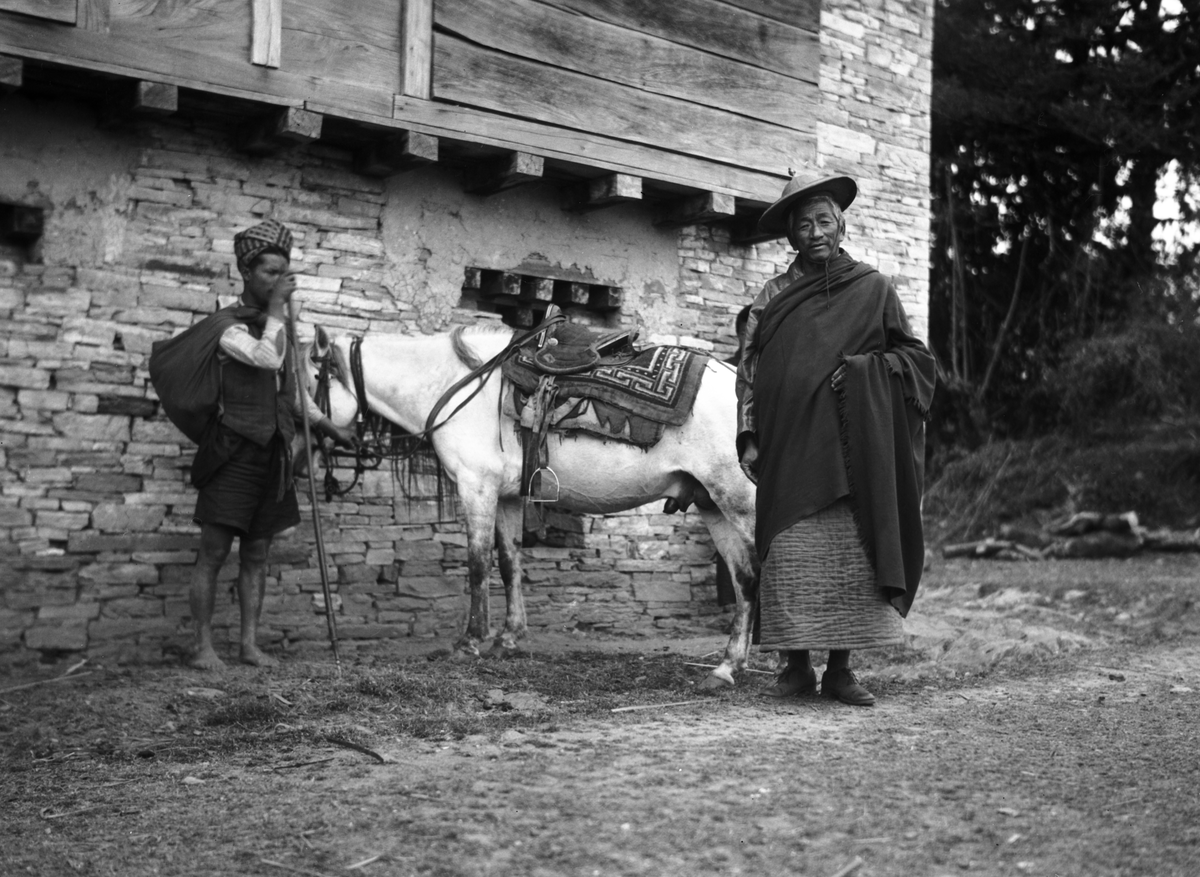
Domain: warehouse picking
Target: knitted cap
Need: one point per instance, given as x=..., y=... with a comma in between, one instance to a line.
x=253, y=241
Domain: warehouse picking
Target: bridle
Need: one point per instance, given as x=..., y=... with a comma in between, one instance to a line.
x=377, y=438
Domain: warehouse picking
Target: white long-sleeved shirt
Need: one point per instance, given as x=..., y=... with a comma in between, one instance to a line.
x=268, y=352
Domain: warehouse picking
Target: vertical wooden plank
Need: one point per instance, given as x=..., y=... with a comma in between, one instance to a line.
x=416, y=48
x=94, y=15
x=266, y=32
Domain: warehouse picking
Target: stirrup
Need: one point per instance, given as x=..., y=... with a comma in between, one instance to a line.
x=536, y=491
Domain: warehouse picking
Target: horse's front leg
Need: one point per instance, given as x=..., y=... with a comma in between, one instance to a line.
x=510, y=520
x=479, y=506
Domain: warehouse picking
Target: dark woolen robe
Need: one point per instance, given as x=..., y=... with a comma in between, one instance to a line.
x=866, y=441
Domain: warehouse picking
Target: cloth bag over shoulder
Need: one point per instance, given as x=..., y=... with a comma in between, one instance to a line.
x=186, y=372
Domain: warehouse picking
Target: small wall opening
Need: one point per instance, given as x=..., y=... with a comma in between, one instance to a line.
x=521, y=300
x=21, y=230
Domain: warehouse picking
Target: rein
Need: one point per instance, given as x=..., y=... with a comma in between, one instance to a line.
x=484, y=372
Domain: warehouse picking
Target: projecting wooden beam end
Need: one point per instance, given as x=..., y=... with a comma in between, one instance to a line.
x=155, y=97
x=396, y=154
x=279, y=129
x=127, y=100
x=12, y=73
x=602, y=192
x=513, y=169
x=744, y=231
x=604, y=298
x=696, y=210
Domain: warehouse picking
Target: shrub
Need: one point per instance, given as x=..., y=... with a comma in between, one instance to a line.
x=1146, y=371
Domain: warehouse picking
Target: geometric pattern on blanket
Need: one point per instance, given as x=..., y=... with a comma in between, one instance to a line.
x=658, y=384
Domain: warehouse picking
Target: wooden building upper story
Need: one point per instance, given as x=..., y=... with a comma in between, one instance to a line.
x=700, y=106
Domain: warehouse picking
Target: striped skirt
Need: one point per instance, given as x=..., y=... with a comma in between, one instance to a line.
x=818, y=591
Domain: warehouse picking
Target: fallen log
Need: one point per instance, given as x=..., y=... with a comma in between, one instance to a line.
x=1100, y=544
x=983, y=548
x=1171, y=540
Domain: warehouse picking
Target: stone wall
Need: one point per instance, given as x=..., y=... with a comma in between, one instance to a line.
x=96, y=538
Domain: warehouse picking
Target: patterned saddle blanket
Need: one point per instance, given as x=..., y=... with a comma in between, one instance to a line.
x=631, y=400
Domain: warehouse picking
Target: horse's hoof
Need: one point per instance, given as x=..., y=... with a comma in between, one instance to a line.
x=464, y=654
x=713, y=682
x=505, y=648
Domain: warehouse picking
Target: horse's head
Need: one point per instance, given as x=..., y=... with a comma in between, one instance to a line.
x=326, y=376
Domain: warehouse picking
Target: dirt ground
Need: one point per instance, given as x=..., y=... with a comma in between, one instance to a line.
x=1041, y=720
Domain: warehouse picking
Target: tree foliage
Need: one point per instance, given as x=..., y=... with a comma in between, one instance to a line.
x=1053, y=121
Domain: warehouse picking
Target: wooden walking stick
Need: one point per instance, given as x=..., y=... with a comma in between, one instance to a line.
x=330, y=621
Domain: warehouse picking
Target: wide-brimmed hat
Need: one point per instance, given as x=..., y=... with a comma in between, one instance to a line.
x=842, y=189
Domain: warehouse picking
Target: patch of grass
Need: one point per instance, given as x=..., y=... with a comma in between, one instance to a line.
x=245, y=712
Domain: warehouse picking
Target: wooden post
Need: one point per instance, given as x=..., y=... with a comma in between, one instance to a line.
x=416, y=48
x=94, y=15
x=266, y=32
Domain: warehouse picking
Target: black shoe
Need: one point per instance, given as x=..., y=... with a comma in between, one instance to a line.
x=842, y=685
x=793, y=683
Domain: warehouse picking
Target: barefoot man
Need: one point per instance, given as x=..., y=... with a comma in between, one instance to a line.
x=243, y=465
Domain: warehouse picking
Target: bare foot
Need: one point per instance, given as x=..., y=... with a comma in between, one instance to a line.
x=206, y=659
x=257, y=657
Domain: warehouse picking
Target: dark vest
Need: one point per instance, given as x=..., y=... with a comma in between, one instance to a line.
x=252, y=405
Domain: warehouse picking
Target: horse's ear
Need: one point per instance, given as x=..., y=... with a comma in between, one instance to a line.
x=320, y=342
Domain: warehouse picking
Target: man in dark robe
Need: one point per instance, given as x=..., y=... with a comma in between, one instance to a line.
x=833, y=392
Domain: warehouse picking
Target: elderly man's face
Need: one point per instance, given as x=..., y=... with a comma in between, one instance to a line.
x=816, y=230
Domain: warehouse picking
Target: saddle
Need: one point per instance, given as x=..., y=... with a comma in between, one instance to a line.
x=574, y=379
x=570, y=348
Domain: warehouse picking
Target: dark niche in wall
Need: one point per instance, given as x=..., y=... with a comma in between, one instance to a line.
x=21, y=230
x=521, y=299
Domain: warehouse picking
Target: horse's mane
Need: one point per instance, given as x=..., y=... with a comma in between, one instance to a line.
x=463, y=351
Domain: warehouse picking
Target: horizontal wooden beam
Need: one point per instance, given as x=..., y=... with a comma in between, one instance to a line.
x=695, y=210
x=281, y=128
x=474, y=76
x=601, y=192
x=577, y=148
x=495, y=175
x=165, y=61
x=548, y=34
x=12, y=73
x=55, y=10
x=396, y=154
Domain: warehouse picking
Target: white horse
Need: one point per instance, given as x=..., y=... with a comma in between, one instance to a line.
x=405, y=376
